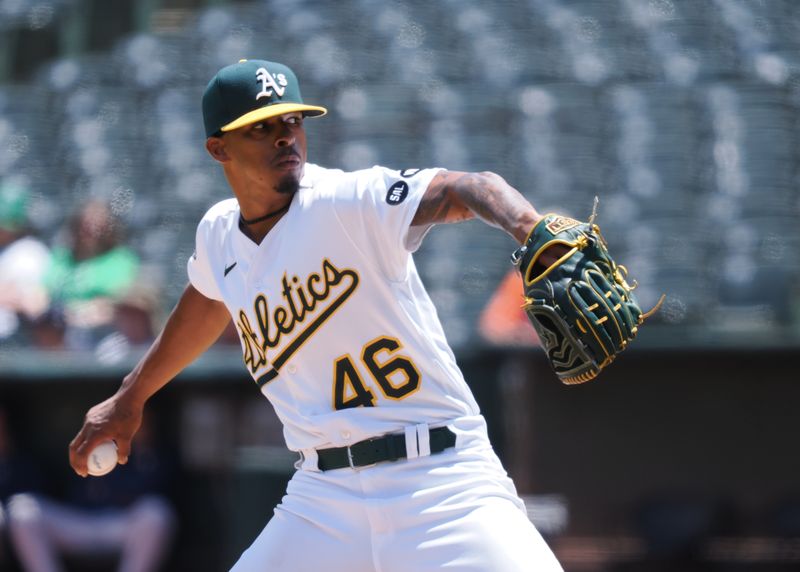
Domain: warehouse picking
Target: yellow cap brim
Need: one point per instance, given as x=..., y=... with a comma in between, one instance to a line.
x=273, y=110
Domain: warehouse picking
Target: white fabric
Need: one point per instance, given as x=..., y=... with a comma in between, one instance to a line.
x=424, y=439
x=23, y=264
x=308, y=460
x=456, y=510
x=411, y=442
x=343, y=238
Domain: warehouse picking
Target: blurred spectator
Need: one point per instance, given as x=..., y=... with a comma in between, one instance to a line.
x=17, y=474
x=124, y=516
x=87, y=275
x=135, y=312
x=23, y=262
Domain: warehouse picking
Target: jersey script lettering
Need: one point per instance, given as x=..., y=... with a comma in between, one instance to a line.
x=301, y=299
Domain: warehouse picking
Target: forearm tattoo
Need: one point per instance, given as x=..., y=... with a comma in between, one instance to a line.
x=456, y=196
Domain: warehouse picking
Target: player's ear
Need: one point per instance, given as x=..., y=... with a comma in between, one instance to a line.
x=216, y=148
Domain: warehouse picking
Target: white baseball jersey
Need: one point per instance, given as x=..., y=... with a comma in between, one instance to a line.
x=336, y=327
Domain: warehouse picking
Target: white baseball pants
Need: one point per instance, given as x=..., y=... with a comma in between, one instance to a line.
x=456, y=511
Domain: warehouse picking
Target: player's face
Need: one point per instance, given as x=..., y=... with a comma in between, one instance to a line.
x=271, y=152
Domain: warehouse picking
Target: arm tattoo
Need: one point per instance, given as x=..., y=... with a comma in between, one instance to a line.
x=439, y=205
x=456, y=196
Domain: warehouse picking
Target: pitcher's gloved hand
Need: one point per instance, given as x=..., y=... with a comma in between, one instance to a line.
x=581, y=304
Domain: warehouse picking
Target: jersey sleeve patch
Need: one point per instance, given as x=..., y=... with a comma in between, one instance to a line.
x=376, y=207
x=397, y=193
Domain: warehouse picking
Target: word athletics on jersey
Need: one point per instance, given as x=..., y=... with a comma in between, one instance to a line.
x=306, y=306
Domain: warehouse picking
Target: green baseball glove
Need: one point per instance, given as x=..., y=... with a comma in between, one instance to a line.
x=581, y=306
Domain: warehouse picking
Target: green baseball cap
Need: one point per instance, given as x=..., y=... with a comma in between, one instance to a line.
x=251, y=91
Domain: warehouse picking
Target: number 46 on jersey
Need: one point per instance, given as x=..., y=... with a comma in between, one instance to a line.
x=394, y=374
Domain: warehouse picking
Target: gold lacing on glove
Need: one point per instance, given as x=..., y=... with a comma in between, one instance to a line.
x=589, y=293
x=620, y=272
x=620, y=275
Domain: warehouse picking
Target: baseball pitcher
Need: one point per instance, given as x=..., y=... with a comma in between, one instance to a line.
x=314, y=266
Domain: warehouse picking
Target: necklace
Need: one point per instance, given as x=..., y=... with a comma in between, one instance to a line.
x=283, y=209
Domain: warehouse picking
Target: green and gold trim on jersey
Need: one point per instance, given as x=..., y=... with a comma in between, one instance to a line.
x=301, y=300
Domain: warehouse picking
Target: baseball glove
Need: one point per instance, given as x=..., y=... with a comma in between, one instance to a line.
x=581, y=305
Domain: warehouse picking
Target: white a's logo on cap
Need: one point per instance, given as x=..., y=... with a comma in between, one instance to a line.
x=268, y=83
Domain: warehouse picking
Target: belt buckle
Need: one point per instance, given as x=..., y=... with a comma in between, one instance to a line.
x=353, y=465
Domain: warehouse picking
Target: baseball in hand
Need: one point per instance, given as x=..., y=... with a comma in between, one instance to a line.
x=102, y=459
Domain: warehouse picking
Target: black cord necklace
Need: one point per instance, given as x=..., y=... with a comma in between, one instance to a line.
x=283, y=209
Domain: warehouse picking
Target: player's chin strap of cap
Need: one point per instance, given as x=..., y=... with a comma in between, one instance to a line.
x=387, y=448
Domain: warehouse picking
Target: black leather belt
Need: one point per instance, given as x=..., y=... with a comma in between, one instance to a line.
x=387, y=448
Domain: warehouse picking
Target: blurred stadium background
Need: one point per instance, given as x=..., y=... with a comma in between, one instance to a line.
x=680, y=115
